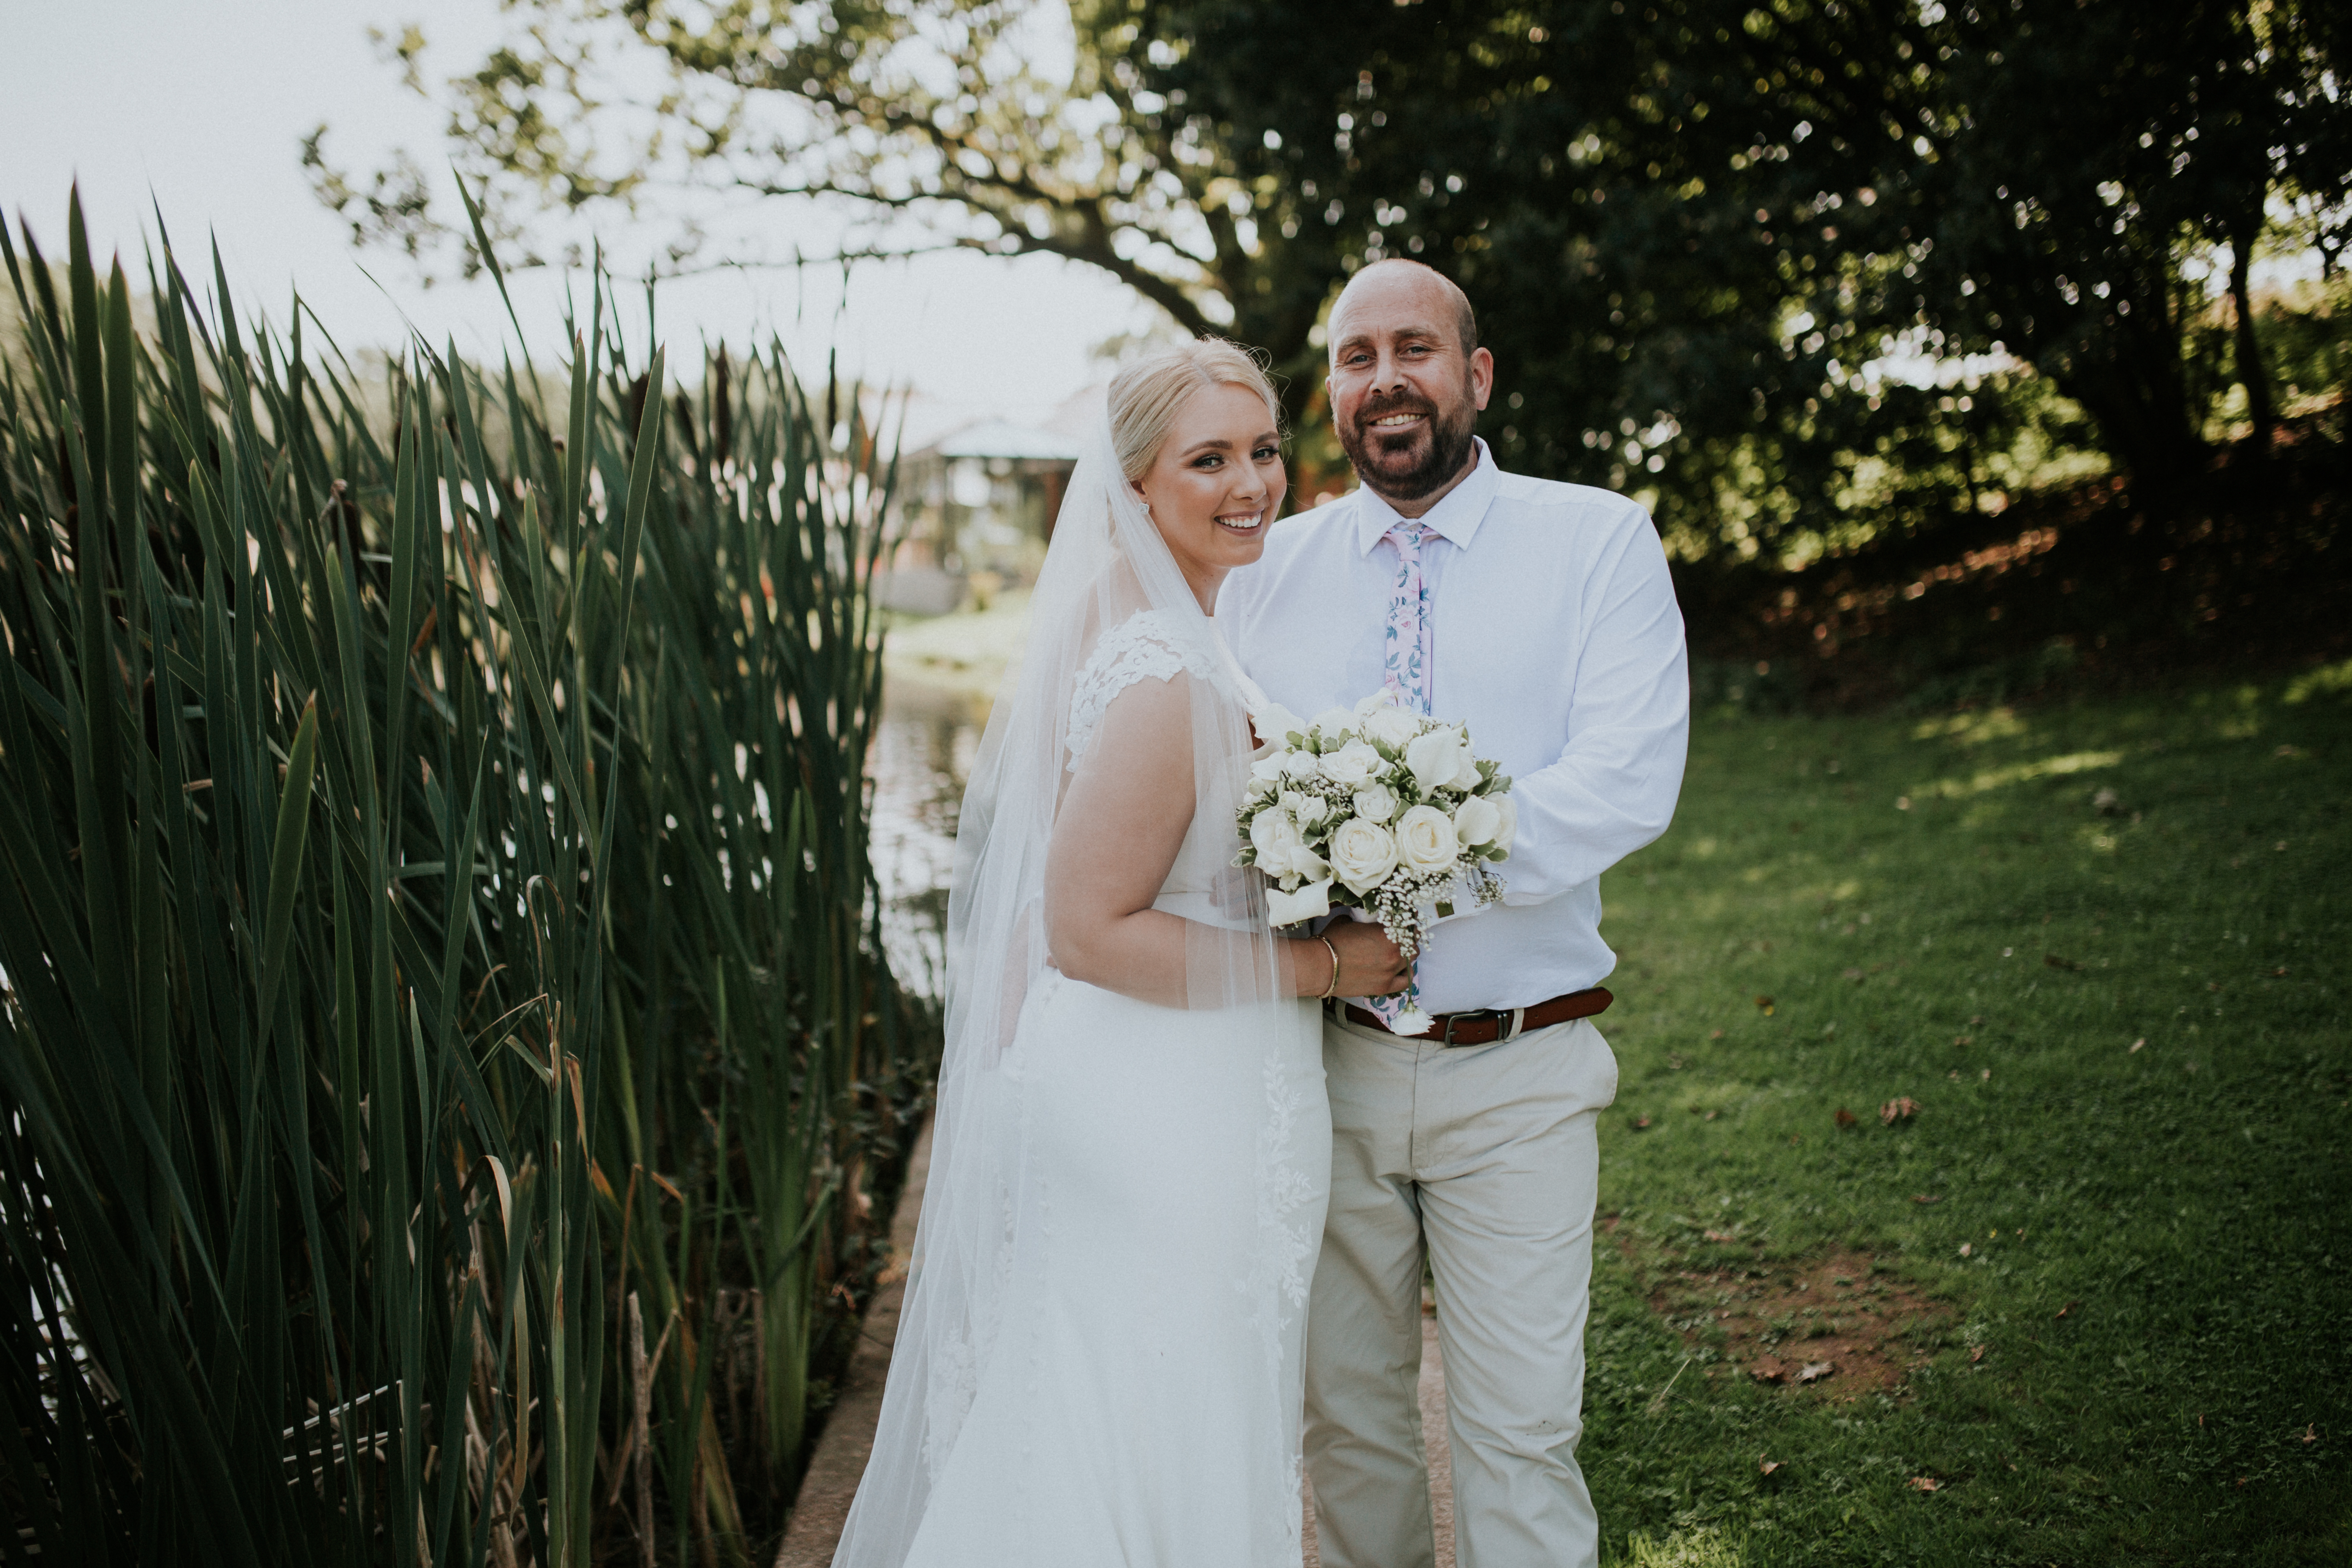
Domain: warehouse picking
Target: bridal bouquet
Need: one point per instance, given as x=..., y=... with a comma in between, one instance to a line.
x=1377, y=809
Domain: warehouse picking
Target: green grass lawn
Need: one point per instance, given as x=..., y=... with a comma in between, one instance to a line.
x=2112, y=1284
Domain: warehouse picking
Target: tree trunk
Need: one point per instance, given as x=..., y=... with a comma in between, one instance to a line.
x=2249, y=350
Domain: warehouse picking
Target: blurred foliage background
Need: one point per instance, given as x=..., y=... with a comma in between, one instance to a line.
x=1804, y=272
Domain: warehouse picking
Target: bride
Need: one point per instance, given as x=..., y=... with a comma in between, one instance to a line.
x=1098, y=1359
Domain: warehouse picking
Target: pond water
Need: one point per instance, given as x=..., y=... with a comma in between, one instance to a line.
x=922, y=753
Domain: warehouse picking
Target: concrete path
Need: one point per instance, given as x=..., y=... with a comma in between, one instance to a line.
x=830, y=1483
x=823, y=1507
x=1434, y=1440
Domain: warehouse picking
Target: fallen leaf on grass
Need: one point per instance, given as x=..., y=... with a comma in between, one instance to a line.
x=1815, y=1371
x=2068, y=1308
x=1765, y=1466
x=1902, y=1108
x=2106, y=802
x=1924, y=1198
x=1640, y=1122
x=2311, y=1432
x=1766, y=1004
x=2137, y=1044
x=1846, y=1118
x=2279, y=974
x=1720, y=1236
x=1976, y=1355
x=2288, y=752
x=1768, y=1370
x=1967, y=1248
x=1923, y=1483
x=1716, y=1035
x=1964, y=1039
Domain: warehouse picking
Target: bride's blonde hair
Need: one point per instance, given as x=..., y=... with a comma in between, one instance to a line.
x=1145, y=396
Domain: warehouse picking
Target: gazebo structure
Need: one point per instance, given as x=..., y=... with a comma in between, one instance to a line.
x=979, y=502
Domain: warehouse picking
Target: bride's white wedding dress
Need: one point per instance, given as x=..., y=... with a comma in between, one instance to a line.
x=1099, y=1361
x=1138, y=1408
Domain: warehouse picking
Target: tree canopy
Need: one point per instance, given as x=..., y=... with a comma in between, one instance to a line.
x=1795, y=265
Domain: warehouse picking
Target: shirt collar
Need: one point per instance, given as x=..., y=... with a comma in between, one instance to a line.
x=1454, y=519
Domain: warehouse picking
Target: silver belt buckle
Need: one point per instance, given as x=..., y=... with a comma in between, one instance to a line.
x=1517, y=1016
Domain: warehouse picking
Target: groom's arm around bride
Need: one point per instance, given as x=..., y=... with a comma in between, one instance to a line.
x=1542, y=615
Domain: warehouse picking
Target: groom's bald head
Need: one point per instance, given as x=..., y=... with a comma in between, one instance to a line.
x=1388, y=289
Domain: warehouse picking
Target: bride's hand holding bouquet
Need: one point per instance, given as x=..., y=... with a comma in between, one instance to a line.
x=1380, y=810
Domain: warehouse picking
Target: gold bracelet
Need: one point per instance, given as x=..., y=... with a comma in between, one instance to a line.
x=1333, y=984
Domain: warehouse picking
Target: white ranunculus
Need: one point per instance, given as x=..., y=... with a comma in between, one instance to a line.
x=1311, y=901
x=1425, y=841
x=1476, y=820
x=1508, y=829
x=1274, y=834
x=1362, y=854
x=1435, y=758
x=1308, y=809
x=1390, y=725
x=1376, y=802
x=1353, y=766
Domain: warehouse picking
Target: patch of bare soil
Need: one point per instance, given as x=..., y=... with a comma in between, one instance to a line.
x=1828, y=1325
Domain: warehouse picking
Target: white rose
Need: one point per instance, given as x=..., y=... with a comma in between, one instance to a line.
x=1312, y=901
x=1274, y=834
x=1390, y=725
x=1508, y=829
x=1301, y=765
x=1410, y=1021
x=1376, y=802
x=1425, y=839
x=1476, y=820
x=1362, y=854
x=1436, y=757
x=1353, y=766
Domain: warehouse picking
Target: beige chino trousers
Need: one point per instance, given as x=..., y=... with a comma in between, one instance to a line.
x=1484, y=1160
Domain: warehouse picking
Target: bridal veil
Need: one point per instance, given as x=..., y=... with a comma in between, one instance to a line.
x=1108, y=578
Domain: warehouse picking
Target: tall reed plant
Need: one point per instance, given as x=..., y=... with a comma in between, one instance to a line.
x=448, y=1079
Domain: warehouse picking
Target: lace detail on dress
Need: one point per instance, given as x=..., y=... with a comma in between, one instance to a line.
x=1150, y=644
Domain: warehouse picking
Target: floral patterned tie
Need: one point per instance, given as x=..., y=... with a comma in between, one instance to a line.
x=1408, y=644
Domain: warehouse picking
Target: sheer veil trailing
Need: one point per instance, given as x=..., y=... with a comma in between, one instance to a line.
x=1109, y=590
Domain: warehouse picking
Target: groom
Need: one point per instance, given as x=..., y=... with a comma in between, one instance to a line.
x=1542, y=615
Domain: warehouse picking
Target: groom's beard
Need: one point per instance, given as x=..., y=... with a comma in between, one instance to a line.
x=1408, y=467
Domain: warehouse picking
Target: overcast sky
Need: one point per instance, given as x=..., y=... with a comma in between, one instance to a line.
x=201, y=105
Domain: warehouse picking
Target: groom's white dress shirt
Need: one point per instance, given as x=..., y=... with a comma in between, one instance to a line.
x=1556, y=639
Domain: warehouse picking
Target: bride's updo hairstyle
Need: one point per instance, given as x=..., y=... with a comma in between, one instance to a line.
x=1145, y=396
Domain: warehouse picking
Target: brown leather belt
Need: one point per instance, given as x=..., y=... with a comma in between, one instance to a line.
x=1484, y=1026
